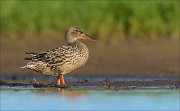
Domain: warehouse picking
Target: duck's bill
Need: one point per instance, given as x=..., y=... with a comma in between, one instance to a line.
x=87, y=37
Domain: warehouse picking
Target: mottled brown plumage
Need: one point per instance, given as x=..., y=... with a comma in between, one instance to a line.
x=63, y=59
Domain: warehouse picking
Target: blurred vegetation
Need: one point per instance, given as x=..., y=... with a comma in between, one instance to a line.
x=108, y=20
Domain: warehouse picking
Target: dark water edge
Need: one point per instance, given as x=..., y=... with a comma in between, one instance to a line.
x=107, y=83
x=78, y=76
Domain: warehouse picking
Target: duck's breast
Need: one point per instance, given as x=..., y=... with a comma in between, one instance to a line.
x=78, y=59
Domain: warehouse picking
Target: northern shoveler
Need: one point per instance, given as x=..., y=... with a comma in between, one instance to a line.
x=63, y=59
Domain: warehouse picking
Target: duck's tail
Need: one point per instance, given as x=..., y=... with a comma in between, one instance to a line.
x=29, y=65
x=31, y=53
x=24, y=67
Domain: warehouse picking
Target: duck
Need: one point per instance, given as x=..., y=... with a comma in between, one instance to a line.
x=63, y=59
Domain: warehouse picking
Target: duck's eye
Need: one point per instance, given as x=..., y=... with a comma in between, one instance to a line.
x=81, y=32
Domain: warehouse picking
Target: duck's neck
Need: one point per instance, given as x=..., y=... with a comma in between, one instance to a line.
x=77, y=42
x=81, y=46
x=74, y=42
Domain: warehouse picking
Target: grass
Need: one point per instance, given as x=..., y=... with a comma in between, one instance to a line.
x=108, y=20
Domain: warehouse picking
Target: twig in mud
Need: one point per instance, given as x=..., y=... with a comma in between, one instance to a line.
x=34, y=79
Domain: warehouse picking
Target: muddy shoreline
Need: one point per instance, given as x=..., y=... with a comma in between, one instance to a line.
x=106, y=83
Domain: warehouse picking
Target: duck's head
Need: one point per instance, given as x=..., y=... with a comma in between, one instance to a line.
x=74, y=33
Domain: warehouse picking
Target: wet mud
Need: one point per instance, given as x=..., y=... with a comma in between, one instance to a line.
x=92, y=84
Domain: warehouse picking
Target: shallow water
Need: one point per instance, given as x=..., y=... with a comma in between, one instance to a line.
x=101, y=99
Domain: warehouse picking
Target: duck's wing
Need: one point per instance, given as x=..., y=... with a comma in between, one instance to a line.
x=63, y=56
x=55, y=56
x=36, y=56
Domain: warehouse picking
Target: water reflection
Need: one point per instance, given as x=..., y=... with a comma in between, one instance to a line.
x=70, y=94
x=79, y=99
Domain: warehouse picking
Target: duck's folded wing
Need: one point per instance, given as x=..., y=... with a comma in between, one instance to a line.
x=62, y=57
x=59, y=55
x=36, y=56
x=43, y=56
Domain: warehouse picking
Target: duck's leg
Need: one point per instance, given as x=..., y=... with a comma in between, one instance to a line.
x=58, y=80
x=62, y=80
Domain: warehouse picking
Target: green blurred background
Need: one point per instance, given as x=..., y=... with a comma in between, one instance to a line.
x=138, y=37
x=105, y=19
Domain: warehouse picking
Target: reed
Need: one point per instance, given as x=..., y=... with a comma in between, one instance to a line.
x=108, y=20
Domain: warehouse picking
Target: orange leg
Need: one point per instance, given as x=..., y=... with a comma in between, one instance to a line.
x=58, y=80
x=62, y=79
